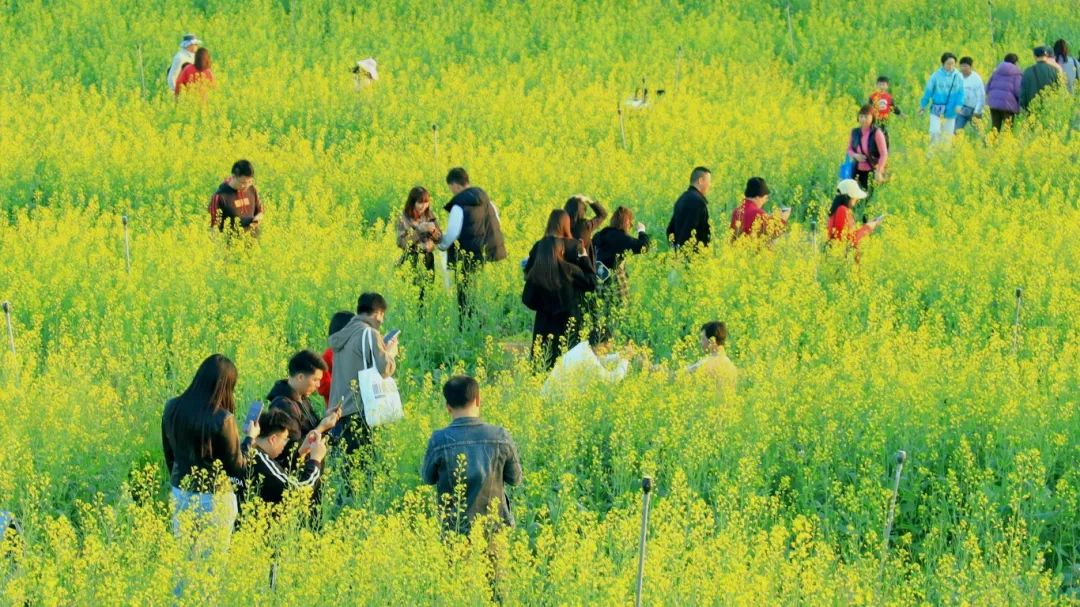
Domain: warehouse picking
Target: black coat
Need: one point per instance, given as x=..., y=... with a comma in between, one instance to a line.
x=284, y=398
x=690, y=219
x=578, y=278
x=611, y=244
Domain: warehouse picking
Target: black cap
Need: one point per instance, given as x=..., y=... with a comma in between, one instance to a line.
x=1042, y=51
x=756, y=187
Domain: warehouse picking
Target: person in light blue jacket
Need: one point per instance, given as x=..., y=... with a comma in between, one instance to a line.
x=944, y=95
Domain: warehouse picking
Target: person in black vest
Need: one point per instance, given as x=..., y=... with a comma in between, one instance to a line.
x=558, y=273
x=473, y=234
x=690, y=220
x=868, y=148
x=613, y=244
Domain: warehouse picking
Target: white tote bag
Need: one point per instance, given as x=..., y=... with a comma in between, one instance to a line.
x=382, y=402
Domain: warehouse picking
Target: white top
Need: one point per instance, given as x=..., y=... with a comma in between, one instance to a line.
x=974, y=92
x=180, y=58
x=580, y=367
x=453, y=226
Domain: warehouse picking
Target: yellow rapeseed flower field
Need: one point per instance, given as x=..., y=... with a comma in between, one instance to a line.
x=774, y=495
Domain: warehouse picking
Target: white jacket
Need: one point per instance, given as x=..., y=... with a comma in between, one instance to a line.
x=974, y=92
x=182, y=56
x=581, y=367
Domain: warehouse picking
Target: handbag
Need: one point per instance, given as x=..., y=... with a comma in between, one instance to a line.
x=847, y=168
x=382, y=402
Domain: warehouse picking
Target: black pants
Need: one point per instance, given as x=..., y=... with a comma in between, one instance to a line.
x=1000, y=117
x=422, y=267
x=863, y=177
x=351, y=432
x=464, y=272
x=551, y=329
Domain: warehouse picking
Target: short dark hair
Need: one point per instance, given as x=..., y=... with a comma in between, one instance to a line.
x=884, y=79
x=243, y=168
x=274, y=421
x=370, y=303
x=1012, y=58
x=460, y=390
x=967, y=61
x=698, y=173
x=306, y=362
x=338, y=321
x=716, y=331
x=945, y=57
x=457, y=175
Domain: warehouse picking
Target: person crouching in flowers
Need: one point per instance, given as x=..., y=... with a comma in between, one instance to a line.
x=418, y=234
x=716, y=364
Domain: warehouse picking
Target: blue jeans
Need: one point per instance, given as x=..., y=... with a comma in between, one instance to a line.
x=211, y=512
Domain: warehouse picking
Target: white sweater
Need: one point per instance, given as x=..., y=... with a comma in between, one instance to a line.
x=179, y=59
x=974, y=92
x=580, y=367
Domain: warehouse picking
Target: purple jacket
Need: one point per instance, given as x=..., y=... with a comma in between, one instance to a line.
x=1003, y=88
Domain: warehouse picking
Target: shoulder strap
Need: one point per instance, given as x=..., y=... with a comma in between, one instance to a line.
x=368, y=341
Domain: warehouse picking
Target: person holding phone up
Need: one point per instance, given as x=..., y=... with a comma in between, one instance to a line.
x=352, y=355
x=266, y=477
x=293, y=397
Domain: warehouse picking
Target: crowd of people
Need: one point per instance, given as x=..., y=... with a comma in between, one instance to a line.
x=575, y=279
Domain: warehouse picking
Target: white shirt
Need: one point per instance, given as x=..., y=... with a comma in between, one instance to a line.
x=974, y=92
x=179, y=59
x=580, y=367
x=453, y=226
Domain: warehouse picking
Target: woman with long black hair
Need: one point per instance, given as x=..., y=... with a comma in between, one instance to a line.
x=558, y=273
x=199, y=437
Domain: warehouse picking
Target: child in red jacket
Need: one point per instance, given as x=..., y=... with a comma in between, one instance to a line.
x=881, y=101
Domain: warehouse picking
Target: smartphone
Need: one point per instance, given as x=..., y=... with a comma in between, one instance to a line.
x=254, y=411
x=602, y=272
x=880, y=218
x=391, y=335
x=785, y=209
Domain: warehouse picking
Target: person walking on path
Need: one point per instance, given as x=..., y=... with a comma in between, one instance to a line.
x=1003, y=92
x=944, y=95
x=974, y=94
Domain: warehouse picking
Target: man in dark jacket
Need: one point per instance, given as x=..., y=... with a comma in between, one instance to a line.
x=473, y=234
x=266, y=477
x=690, y=220
x=293, y=396
x=1038, y=77
x=468, y=451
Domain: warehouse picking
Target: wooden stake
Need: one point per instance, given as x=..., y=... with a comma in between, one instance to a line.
x=127, y=244
x=790, y=28
x=435, y=146
x=11, y=332
x=622, y=129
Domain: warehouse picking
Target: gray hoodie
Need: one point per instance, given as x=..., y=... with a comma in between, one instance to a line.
x=348, y=361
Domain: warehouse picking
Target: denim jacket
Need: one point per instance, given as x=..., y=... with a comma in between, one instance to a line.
x=491, y=461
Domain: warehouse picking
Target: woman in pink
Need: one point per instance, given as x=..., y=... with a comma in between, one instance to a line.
x=867, y=146
x=196, y=72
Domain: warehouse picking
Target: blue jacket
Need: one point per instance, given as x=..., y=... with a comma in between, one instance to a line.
x=944, y=88
x=490, y=462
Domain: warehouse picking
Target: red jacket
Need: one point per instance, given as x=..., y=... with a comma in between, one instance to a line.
x=324, y=385
x=842, y=227
x=190, y=75
x=749, y=219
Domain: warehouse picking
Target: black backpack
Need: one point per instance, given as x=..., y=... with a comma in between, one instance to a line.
x=873, y=154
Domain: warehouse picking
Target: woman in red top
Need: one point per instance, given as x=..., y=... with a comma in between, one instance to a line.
x=842, y=218
x=337, y=323
x=196, y=72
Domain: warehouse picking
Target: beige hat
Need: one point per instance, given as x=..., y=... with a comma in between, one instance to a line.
x=368, y=65
x=851, y=189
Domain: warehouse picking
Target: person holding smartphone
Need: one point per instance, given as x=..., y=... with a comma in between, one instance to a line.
x=267, y=478
x=842, y=226
x=198, y=434
x=351, y=355
x=293, y=396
